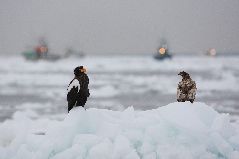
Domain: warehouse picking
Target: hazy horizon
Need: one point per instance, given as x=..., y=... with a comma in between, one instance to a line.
x=129, y=27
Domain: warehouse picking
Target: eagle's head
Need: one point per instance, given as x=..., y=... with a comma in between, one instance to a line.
x=78, y=70
x=184, y=74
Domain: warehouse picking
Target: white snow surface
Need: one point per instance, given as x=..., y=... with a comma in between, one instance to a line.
x=174, y=131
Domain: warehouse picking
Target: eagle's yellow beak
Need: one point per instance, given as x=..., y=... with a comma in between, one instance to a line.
x=83, y=70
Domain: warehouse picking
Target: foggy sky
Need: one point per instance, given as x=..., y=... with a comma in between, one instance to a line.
x=119, y=26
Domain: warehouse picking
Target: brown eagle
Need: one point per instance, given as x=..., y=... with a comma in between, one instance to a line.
x=186, y=90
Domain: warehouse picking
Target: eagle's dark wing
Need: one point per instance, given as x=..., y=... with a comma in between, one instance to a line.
x=72, y=94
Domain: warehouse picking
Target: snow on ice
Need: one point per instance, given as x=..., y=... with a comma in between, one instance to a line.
x=174, y=131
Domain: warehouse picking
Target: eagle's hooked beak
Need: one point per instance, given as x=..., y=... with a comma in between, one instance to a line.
x=83, y=70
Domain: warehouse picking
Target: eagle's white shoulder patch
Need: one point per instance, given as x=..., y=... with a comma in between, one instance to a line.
x=75, y=83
